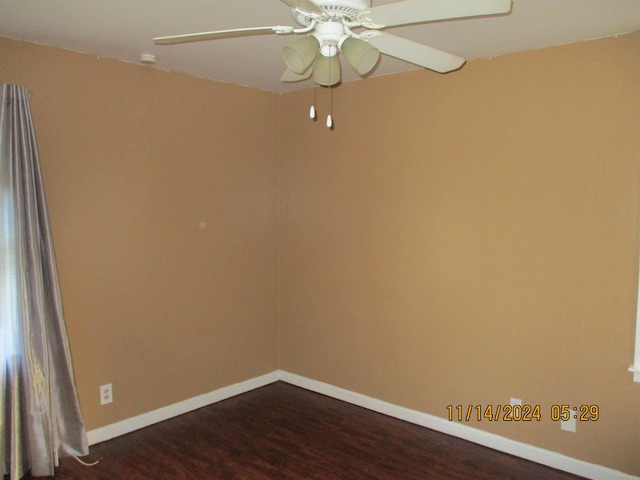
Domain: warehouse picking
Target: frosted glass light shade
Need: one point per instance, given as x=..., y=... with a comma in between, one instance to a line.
x=300, y=54
x=326, y=70
x=361, y=55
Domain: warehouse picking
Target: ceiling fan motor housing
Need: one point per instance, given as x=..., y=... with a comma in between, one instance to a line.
x=333, y=10
x=343, y=8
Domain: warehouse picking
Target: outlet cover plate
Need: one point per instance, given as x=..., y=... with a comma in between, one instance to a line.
x=106, y=394
x=569, y=425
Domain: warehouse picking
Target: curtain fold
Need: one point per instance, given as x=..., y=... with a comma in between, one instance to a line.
x=40, y=416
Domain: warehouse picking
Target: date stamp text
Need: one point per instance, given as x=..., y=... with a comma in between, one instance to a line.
x=521, y=413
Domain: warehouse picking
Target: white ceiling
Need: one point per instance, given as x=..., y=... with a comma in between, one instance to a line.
x=123, y=29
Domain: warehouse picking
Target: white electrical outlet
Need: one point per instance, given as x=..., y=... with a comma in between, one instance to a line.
x=569, y=425
x=106, y=394
x=515, y=401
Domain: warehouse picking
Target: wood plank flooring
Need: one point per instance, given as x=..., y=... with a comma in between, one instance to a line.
x=284, y=432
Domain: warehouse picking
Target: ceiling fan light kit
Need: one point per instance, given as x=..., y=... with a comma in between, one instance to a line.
x=326, y=71
x=300, y=54
x=361, y=55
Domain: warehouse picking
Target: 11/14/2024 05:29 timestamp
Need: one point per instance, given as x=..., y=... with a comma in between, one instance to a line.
x=521, y=413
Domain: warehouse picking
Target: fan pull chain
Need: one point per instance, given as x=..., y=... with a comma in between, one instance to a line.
x=329, y=117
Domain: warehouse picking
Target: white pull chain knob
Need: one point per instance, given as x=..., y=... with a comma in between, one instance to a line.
x=329, y=121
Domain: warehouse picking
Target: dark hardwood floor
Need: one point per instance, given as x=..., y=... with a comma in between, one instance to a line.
x=285, y=432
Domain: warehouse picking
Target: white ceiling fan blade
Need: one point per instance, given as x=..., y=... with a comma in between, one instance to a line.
x=289, y=76
x=237, y=32
x=306, y=6
x=419, y=11
x=416, y=53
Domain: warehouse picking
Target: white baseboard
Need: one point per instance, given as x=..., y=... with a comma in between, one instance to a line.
x=459, y=430
x=144, y=420
x=455, y=429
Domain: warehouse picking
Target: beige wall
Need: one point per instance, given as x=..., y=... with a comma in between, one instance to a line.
x=133, y=160
x=467, y=238
x=457, y=239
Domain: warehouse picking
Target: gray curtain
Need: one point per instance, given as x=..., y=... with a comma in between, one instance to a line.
x=40, y=417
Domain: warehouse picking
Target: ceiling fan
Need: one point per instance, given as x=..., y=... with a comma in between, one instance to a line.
x=355, y=29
